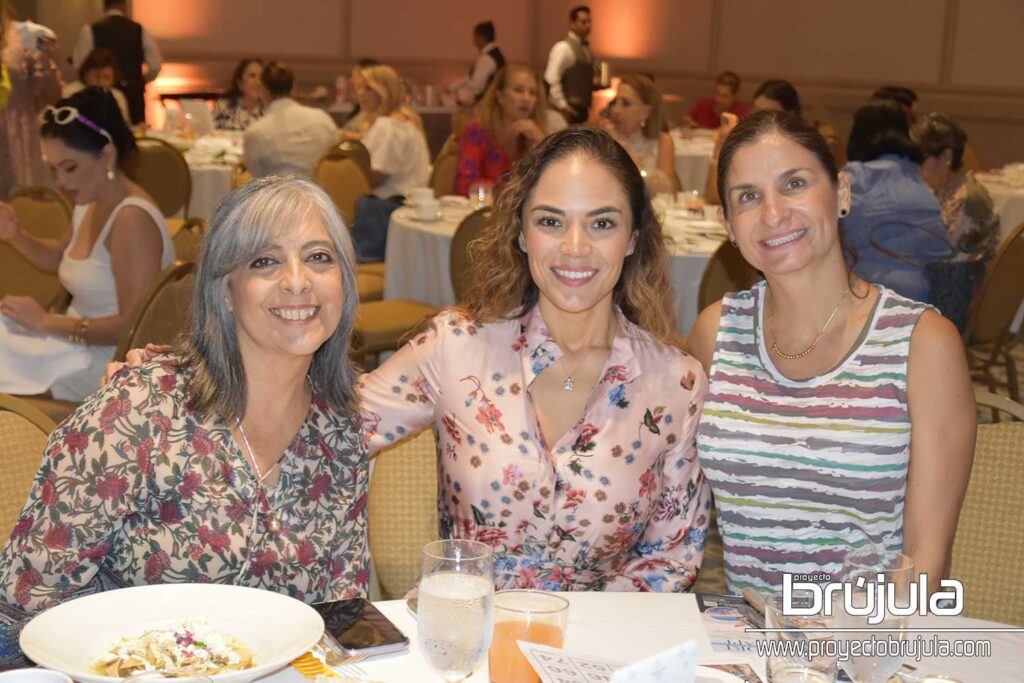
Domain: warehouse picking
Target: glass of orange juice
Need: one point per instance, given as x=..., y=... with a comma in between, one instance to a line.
x=533, y=616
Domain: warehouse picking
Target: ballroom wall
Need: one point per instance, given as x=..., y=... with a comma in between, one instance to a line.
x=962, y=57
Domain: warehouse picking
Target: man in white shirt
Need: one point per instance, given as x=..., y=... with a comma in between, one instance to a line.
x=489, y=60
x=132, y=46
x=570, y=70
x=291, y=137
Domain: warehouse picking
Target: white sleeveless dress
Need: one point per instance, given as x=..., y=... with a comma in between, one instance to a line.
x=33, y=362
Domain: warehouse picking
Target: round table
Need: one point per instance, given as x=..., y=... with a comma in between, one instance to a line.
x=1008, y=201
x=418, y=258
x=210, y=184
x=693, y=160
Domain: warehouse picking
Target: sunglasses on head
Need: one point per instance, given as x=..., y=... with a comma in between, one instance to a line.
x=62, y=116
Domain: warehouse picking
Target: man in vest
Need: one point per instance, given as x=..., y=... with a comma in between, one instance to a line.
x=489, y=59
x=570, y=71
x=133, y=47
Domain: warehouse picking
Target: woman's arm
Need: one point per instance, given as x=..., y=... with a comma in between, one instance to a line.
x=943, y=420
x=667, y=159
x=135, y=247
x=700, y=343
x=669, y=552
x=44, y=254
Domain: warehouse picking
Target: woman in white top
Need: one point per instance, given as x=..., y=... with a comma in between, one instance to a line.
x=634, y=120
x=116, y=245
x=399, y=158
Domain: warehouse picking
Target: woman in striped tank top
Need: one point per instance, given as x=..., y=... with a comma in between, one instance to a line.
x=838, y=413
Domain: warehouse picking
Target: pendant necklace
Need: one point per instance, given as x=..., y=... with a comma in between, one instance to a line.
x=794, y=356
x=273, y=525
x=568, y=385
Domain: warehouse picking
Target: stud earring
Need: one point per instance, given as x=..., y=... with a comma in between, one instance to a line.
x=110, y=174
x=843, y=212
x=732, y=241
x=643, y=124
x=522, y=242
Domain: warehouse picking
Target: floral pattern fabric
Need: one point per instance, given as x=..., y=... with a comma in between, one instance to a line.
x=229, y=114
x=618, y=503
x=481, y=159
x=135, y=489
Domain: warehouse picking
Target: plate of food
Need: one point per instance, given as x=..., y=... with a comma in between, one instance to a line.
x=229, y=634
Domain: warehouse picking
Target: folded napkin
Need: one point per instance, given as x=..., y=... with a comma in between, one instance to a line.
x=210, y=149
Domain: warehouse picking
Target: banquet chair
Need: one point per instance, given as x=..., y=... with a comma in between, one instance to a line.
x=402, y=511
x=727, y=271
x=459, y=260
x=357, y=152
x=988, y=543
x=343, y=177
x=240, y=175
x=383, y=325
x=162, y=171
x=45, y=213
x=161, y=312
x=188, y=237
x=370, y=286
x=987, y=335
x=442, y=177
x=24, y=431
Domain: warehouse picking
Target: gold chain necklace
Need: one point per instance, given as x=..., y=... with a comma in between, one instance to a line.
x=794, y=356
x=273, y=524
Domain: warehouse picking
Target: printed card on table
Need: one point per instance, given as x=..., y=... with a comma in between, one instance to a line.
x=558, y=666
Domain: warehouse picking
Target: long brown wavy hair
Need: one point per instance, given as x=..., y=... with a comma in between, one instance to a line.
x=501, y=286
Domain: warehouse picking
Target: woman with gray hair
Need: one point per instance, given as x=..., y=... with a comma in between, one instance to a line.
x=235, y=459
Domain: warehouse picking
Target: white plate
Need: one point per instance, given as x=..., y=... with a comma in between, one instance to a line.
x=454, y=200
x=706, y=673
x=416, y=218
x=71, y=636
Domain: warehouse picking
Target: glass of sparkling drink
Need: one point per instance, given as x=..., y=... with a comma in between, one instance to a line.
x=529, y=615
x=799, y=655
x=455, y=614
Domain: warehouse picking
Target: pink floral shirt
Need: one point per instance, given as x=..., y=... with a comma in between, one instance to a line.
x=619, y=503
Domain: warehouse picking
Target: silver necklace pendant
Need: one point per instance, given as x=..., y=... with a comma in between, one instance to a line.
x=567, y=385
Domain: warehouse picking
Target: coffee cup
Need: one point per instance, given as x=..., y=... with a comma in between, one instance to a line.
x=428, y=209
x=419, y=195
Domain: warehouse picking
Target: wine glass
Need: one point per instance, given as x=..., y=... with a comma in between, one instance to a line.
x=455, y=615
x=873, y=571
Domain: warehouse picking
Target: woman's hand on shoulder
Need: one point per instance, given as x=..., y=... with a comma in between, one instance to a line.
x=134, y=358
x=700, y=343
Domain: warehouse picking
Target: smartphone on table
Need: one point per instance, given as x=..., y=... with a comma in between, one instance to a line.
x=360, y=628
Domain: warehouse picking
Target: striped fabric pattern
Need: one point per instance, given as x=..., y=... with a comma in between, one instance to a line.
x=804, y=470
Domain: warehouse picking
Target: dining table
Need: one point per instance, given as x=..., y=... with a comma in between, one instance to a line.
x=1006, y=187
x=627, y=627
x=418, y=258
x=211, y=160
x=693, y=150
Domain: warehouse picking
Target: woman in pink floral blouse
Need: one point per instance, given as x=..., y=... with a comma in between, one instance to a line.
x=236, y=459
x=565, y=418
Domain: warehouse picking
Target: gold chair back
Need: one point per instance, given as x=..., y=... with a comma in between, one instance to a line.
x=459, y=262
x=162, y=312
x=343, y=177
x=403, y=511
x=188, y=238
x=727, y=271
x=357, y=152
x=988, y=543
x=1000, y=293
x=240, y=175
x=442, y=177
x=23, y=434
x=45, y=213
x=162, y=171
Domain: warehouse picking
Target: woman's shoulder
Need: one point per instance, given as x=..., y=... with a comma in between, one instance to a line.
x=666, y=362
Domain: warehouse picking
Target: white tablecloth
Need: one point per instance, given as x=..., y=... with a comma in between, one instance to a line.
x=630, y=626
x=210, y=184
x=693, y=159
x=1008, y=201
x=417, y=257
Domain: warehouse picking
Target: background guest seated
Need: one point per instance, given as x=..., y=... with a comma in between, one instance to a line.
x=100, y=70
x=236, y=460
x=243, y=101
x=509, y=120
x=635, y=122
x=291, y=137
x=399, y=158
x=707, y=111
x=895, y=223
x=116, y=245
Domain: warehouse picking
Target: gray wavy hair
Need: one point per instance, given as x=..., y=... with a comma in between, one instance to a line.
x=244, y=224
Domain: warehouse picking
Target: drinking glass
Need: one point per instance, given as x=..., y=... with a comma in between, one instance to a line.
x=533, y=616
x=874, y=572
x=481, y=194
x=793, y=667
x=455, y=614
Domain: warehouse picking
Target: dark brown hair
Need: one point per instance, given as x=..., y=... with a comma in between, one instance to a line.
x=100, y=58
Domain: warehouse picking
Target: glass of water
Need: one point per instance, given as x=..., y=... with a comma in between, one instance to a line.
x=882, y=579
x=801, y=654
x=455, y=614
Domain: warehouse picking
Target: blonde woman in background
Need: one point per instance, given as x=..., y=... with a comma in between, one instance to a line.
x=399, y=158
x=634, y=119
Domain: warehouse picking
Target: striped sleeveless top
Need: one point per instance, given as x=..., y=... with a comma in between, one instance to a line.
x=803, y=471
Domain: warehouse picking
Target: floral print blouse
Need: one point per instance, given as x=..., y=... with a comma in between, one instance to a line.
x=481, y=159
x=135, y=489
x=618, y=503
x=229, y=114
